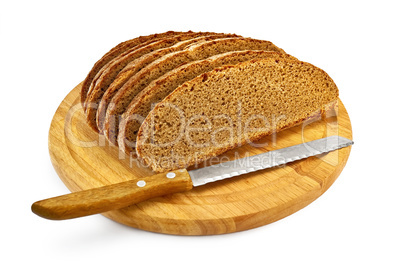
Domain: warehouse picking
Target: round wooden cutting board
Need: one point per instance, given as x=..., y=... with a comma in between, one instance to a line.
x=83, y=160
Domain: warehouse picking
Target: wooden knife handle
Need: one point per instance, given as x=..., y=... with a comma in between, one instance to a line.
x=111, y=197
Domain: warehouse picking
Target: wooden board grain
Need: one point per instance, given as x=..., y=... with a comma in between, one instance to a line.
x=83, y=159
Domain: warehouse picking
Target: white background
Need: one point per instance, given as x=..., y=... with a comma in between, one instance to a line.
x=47, y=48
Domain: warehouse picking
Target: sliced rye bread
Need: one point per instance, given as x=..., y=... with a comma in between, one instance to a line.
x=100, y=73
x=134, y=66
x=158, y=89
x=107, y=74
x=167, y=63
x=114, y=52
x=231, y=106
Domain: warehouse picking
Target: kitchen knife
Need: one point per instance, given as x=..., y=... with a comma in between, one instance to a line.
x=120, y=195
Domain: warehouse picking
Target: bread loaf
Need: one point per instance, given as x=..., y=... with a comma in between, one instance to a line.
x=132, y=68
x=231, y=106
x=158, y=89
x=167, y=63
x=114, y=52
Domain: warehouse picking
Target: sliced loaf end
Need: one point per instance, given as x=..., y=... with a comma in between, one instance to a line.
x=231, y=106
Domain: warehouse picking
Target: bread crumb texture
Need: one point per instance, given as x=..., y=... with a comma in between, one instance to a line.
x=231, y=106
x=122, y=99
x=158, y=89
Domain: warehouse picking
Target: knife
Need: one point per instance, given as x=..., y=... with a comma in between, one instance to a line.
x=120, y=195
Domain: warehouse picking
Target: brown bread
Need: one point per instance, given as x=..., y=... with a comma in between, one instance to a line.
x=134, y=66
x=158, y=89
x=231, y=106
x=159, y=67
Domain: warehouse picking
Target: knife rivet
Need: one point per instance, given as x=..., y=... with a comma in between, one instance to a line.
x=170, y=175
x=141, y=183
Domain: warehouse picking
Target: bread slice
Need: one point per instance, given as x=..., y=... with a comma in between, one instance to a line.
x=231, y=106
x=114, y=52
x=134, y=66
x=167, y=63
x=109, y=72
x=158, y=89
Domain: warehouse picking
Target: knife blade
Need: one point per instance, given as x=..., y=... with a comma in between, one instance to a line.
x=121, y=195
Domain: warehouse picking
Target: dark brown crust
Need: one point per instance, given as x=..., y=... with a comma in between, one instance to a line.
x=180, y=90
x=114, y=52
